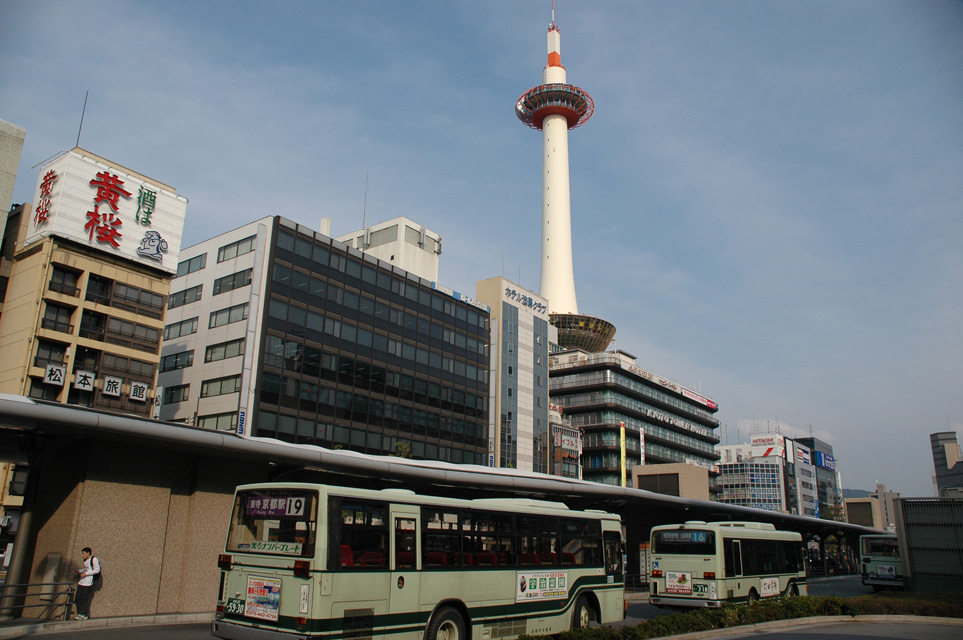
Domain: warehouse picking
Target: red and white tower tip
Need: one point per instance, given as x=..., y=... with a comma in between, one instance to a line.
x=554, y=107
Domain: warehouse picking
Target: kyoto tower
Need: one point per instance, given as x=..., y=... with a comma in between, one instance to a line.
x=554, y=107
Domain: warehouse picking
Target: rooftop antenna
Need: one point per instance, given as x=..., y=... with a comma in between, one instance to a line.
x=83, y=113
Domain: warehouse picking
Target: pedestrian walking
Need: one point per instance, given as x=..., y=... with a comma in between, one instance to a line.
x=86, y=586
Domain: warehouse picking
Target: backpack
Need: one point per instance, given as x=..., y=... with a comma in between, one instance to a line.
x=99, y=576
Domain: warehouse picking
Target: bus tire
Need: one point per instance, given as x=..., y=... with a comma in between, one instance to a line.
x=446, y=624
x=752, y=597
x=583, y=614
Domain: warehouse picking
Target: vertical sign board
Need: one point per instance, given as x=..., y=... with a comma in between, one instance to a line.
x=106, y=207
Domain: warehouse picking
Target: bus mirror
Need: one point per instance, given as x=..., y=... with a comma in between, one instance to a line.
x=302, y=568
x=224, y=561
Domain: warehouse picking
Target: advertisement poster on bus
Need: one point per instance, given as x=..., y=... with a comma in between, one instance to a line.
x=263, y=598
x=547, y=585
x=679, y=582
x=769, y=587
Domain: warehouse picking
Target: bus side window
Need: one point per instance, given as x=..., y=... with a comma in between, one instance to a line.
x=404, y=543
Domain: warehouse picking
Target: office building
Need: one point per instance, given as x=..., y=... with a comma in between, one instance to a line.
x=829, y=491
x=520, y=335
x=629, y=416
x=876, y=510
x=946, y=463
x=275, y=330
x=11, y=145
x=770, y=472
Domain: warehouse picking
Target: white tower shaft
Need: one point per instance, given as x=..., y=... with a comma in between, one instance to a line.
x=557, y=282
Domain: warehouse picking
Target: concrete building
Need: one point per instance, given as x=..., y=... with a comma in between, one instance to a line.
x=877, y=510
x=673, y=479
x=946, y=463
x=86, y=272
x=11, y=145
x=829, y=489
x=518, y=422
x=770, y=472
x=607, y=394
x=277, y=331
x=400, y=242
x=564, y=445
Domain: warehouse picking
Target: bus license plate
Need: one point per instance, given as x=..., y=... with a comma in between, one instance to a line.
x=235, y=606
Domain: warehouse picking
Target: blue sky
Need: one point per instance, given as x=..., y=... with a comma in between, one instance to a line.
x=767, y=203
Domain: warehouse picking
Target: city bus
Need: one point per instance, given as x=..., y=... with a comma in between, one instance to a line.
x=308, y=560
x=880, y=561
x=705, y=564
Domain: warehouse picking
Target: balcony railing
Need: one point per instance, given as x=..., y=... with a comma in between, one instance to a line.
x=56, y=325
x=64, y=288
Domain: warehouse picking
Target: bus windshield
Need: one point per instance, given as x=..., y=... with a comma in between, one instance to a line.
x=880, y=546
x=685, y=541
x=274, y=522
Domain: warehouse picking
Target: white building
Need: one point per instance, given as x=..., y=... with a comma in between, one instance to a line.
x=518, y=397
x=771, y=472
x=402, y=243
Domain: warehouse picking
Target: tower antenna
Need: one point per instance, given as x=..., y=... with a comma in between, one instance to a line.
x=83, y=113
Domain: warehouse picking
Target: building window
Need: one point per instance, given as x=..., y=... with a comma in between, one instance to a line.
x=191, y=265
x=64, y=281
x=510, y=370
x=228, y=316
x=57, y=318
x=220, y=386
x=186, y=296
x=219, y=421
x=236, y=249
x=182, y=328
x=49, y=353
x=180, y=393
x=174, y=361
x=224, y=350
x=98, y=289
x=232, y=282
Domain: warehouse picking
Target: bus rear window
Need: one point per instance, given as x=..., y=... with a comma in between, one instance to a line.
x=274, y=522
x=880, y=547
x=684, y=541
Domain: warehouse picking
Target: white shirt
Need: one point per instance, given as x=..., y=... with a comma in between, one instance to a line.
x=91, y=567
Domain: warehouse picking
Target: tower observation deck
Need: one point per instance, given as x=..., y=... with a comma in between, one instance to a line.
x=553, y=108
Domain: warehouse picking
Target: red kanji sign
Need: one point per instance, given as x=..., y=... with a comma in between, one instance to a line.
x=106, y=225
x=109, y=189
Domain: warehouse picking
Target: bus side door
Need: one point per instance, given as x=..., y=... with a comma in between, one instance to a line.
x=405, y=558
x=733, y=551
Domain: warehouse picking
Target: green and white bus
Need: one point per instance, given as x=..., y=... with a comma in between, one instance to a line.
x=307, y=560
x=880, y=561
x=705, y=564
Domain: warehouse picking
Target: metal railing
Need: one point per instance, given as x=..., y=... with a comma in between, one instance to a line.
x=49, y=597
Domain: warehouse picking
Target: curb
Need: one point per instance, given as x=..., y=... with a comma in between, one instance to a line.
x=41, y=627
x=816, y=620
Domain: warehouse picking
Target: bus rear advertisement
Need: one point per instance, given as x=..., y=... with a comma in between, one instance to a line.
x=306, y=560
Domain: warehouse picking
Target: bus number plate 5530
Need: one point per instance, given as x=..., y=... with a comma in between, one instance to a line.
x=235, y=606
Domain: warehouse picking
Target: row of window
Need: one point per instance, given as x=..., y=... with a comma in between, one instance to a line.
x=227, y=252
x=321, y=259
x=307, y=430
x=213, y=353
x=461, y=538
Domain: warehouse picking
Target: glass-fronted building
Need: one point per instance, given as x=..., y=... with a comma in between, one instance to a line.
x=278, y=331
x=663, y=422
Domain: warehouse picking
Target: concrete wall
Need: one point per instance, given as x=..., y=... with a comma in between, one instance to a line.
x=155, y=518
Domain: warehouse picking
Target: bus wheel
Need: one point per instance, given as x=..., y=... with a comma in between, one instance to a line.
x=446, y=624
x=752, y=597
x=583, y=613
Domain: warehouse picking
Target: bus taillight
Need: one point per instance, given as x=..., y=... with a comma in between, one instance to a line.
x=301, y=623
x=302, y=568
x=224, y=561
x=657, y=573
x=709, y=575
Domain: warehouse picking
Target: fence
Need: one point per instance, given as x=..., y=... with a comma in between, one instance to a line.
x=47, y=596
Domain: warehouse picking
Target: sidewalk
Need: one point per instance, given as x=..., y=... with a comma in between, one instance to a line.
x=21, y=627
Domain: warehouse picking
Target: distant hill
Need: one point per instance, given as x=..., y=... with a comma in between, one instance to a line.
x=856, y=493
